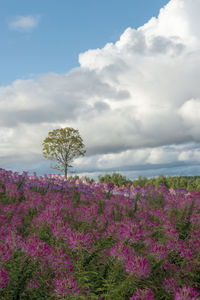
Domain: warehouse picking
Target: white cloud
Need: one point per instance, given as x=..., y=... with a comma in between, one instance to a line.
x=135, y=102
x=24, y=23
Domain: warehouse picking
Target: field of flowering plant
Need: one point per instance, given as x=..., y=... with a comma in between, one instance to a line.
x=72, y=239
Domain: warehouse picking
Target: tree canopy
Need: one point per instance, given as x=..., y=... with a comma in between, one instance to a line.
x=63, y=145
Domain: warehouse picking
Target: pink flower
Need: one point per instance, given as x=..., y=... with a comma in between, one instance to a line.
x=37, y=249
x=139, y=265
x=65, y=286
x=158, y=251
x=12, y=191
x=3, y=278
x=171, y=268
x=187, y=253
x=170, y=285
x=79, y=239
x=32, y=284
x=120, y=251
x=59, y=261
x=142, y=295
x=172, y=191
x=16, y=221
x=186, y=293
x=13, y=240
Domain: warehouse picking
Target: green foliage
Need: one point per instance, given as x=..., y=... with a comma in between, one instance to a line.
x=182, y=223
x=154, y=282
x=26, y=220
x=116, y=284
x=117, y=213
x=139, y=246
x=72, y=177
x=101, y=207
x=20, y=269
x=40, y=190
x=159, y=235
x=45, y=235
x=81, y=226
x=76, y=198
x=174, y=257
x=141, y=181
x=92, y=268
x=106, y=178
x=63, y=145
x=116, y=179
x=156, y=202
x=90, y=180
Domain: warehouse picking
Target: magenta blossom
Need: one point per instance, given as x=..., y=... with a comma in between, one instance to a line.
x=65, y=286
x=142, y=295
x=187, y=293
x=3, y=278
x=32, y=284
x=138, y=265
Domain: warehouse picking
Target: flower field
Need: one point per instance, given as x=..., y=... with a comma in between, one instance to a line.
x=72, y=240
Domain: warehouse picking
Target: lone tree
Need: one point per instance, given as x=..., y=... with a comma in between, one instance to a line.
x=63, y=145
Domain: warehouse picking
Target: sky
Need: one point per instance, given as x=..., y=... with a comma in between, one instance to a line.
x=124, y=73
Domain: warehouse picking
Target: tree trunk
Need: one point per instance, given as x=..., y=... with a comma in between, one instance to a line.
x=66, y=172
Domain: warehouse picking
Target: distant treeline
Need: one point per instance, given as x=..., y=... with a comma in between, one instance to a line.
x=190, y=183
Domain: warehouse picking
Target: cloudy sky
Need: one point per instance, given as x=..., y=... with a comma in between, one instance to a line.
x=124, y=73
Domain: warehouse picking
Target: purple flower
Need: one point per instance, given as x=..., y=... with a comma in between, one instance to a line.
x=63, y=286
x=3, y=278
x=138, y=265
x=142, y=295
x=187, y=293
